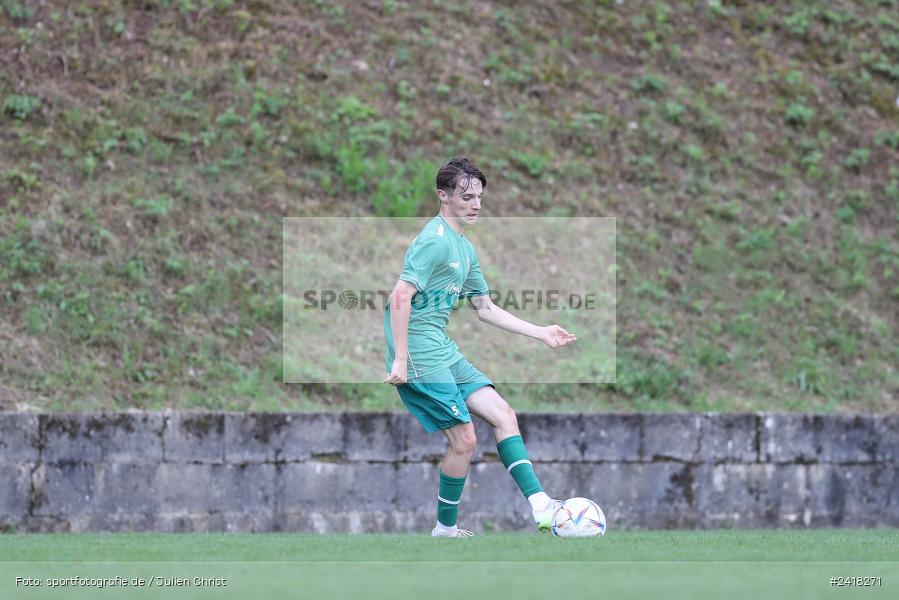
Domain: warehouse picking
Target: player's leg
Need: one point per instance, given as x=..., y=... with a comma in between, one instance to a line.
x=438, y=405
x=490, y=406
x=482, y=399
x=453, y=471
x=461, y=447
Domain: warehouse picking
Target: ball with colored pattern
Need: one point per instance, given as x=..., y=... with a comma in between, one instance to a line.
x=579, y=517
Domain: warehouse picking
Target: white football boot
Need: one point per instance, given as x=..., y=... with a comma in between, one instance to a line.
x=451, y=532
x=544, y=517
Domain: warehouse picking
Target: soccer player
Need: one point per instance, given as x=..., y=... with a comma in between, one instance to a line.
x=435, y=382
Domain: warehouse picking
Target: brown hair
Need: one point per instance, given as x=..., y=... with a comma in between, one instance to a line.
x=458, y=171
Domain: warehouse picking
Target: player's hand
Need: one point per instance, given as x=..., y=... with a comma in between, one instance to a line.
x=397, y=373
x=556, y=337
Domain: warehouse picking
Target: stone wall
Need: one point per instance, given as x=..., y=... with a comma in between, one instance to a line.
x=368, y=472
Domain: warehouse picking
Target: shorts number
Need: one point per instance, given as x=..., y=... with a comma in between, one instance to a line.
x=455, y=410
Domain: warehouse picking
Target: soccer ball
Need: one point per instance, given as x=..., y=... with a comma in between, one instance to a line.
x=579, y=517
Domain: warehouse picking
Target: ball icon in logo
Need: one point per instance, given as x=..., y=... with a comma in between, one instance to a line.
x=348, y=300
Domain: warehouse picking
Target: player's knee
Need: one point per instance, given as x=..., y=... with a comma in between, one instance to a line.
x=470, y=442
x=508, y=418
x=466, y=442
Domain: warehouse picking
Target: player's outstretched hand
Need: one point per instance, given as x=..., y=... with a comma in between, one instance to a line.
x=397, y=373
x=556, y=337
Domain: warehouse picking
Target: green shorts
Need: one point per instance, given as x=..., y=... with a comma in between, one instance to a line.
x=438, y=399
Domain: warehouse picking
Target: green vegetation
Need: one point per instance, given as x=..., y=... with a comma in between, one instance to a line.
x=150, y=151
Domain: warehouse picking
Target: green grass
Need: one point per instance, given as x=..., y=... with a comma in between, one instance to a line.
x=819, y=545
x=670, y=564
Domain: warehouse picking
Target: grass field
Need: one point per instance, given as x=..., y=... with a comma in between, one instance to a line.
x=674, y=564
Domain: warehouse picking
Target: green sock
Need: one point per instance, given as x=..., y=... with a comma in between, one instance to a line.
x=448, y=499
x=515, y=458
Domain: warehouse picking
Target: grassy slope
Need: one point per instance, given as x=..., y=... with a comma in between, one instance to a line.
x=749, y=152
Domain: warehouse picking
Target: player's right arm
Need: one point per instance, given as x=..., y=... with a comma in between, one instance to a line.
x=400, y=309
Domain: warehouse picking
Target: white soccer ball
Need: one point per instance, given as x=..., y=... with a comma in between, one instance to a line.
x=579, y=517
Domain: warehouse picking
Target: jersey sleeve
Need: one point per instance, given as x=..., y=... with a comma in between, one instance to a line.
x=426, y=252
x=475, y=284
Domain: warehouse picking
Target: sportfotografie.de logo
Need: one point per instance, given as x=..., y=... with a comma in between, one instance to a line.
x=451, y=297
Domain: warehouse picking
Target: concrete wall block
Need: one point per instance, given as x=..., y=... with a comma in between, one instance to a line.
x=847, y=438
x=421, y=521
x=552, y=437
x=611, y=437
x=399, y=522
x=418, y=444
x=112, y=437
x=195, y=437
x=253, y=437
x=132, y=437
x=337, y=521
x=118, y=522
x=186, y=523
x=417, y=486
x=489, y=488
x=611, y=485
x=316, y=434
x=293, y=522
x=175, y=523
x=729, y=438
x=302, y=487
x=671, y=437
x=654, y=495
x=828, y=489
x=887, y=432
x=739, y=495
x=371, y=487
x=67, y=490
x=188, y=488
x=872, y=491
x=129, y=489
x=498, y=521
x=72, y=438
x=890, y=490
x=15, y=489
x=249, y=522
x=319, y=486
x=36, y=524
x=785, y=438
x=248, y=488
x=559, y=480
x=282, y=437
x=18, y=438
x=372, y=437
x=852, y=496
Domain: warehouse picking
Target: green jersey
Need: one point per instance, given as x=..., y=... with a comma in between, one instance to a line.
x=443, y=266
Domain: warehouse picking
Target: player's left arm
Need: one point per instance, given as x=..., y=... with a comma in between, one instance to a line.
x=553, y=336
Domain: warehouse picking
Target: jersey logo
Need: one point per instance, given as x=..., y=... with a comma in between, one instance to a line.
x=440, y=230
x=454, y=265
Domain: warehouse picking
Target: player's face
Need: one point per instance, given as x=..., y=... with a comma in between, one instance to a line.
x=464, y=204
